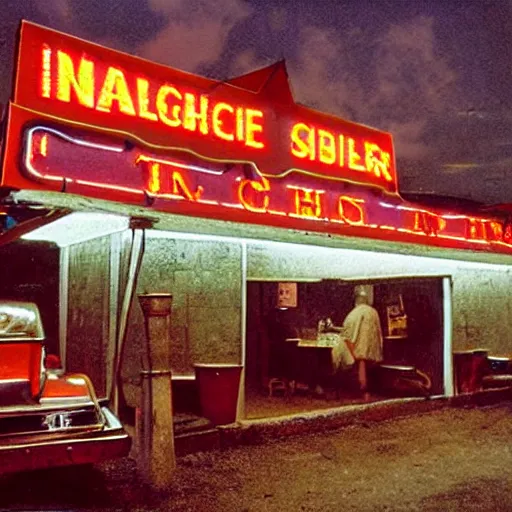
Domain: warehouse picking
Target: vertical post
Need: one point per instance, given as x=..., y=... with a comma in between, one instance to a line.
x=112, y=346
x=155, y=441
x=240, y=410
x=63, y=304
x=447, y=337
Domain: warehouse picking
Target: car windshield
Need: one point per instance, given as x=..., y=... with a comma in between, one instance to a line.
x=20, y=320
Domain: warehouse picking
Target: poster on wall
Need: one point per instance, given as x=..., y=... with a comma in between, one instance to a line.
x=397, y=319
x=287, y=295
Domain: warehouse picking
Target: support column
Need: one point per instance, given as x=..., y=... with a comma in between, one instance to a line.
x=156, y=457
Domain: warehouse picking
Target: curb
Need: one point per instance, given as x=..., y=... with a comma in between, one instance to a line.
x=250, y=432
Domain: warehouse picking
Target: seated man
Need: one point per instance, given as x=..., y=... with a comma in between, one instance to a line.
x=362, y=327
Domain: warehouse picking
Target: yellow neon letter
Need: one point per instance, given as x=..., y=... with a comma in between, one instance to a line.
x=308, y=202
x=163, y=109
x=180, y=187
x=142, y=95
x=341, y=147
x=257, y=187
x=347, y=202
x=240, y=124
x=191, y=116
x=326, y=147
x=252, y=127
x=377, y=161
x=115, y=89
x=83, y=84
x=217, y=122
x=154, y=178
x=303, y=148
x=353, y=157
x=46, y=71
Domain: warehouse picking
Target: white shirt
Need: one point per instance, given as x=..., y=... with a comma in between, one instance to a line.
x=362, y=327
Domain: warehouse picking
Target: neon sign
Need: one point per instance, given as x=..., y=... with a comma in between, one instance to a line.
x=92, y=121
x=249, y=119
x=239, y=192
x=165, y=104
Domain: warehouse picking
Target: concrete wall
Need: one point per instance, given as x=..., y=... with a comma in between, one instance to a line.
x=88, y=310
x=482, y=313
x=205, y=279
x=482, y=298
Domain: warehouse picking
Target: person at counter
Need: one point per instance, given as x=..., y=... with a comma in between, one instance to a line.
x=363, y=330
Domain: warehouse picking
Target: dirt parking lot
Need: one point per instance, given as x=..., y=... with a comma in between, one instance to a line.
x=450, y=459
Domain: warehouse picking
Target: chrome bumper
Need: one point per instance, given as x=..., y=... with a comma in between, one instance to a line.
x=24, y=453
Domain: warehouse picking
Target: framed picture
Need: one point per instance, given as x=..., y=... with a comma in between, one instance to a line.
x=287, y=295
x=397, y=318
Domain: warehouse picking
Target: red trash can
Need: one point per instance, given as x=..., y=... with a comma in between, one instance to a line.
x=218, y=386
x=469, y=368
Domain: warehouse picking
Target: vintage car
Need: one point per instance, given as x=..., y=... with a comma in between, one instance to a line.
x=47, y=418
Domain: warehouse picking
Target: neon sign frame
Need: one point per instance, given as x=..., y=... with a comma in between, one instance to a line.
x=178, y=182
x=80, y=83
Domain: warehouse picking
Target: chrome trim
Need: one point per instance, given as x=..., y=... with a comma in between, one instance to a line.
x=50, y=442
x=63, y=304
x=28, y=409
x=13, y=381
x=111, y=419
x=447, y=337
x=66, y=400
x=240, y=409
x=114, y=285
x=154, y=373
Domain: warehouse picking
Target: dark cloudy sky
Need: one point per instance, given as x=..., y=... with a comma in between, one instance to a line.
x=437, y=74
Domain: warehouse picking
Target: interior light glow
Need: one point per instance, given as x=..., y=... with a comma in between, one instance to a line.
x=424, y=264
x=79, y=227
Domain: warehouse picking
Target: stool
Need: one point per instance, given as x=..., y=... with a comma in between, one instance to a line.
x=277, y=384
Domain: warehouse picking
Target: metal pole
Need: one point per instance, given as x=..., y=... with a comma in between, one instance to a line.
x=138, y=244
x=447, y=337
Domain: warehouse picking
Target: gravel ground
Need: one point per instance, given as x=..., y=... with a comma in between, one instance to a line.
x=446, y=460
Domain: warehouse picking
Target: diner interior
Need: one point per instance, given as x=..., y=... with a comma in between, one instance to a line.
x=289, y=362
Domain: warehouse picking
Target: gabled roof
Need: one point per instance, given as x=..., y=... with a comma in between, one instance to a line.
x=271, y=81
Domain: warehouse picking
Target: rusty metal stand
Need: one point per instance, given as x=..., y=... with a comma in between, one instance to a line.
x=155, y=435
